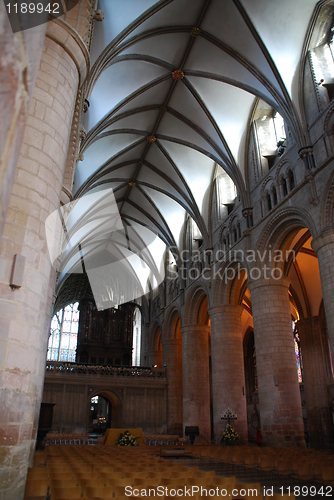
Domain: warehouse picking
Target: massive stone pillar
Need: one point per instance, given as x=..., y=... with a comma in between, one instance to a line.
x=172, y=360
x=315, y=383
x=228, y=374
x=195, y=375
x=25, y=312
x=279, y=395
x=19, y=61
x=154, y=358
x=324, y=248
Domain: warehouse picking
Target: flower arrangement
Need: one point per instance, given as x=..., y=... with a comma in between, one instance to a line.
x=127, y=439
x=229, y=436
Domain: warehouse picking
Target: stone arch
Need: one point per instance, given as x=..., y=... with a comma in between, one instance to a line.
x=295, y=302
x=154, y=335
x=114, y=400
x=281, y=168
x=154, y=346
x=278, y=235
x=197, y=300
x=172, y=316
x=229, y=279
x=266, y=185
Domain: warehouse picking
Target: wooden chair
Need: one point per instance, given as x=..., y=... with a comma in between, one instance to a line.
x=36, y=487
x=70, y=493
x=142, y=482
x=327, y=475
x=100, y=492
x=278, y=496
x=222, y=481
x=63, y=483
x=248, y=487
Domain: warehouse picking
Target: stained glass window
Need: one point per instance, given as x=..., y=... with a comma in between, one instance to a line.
x=64, y=334
x=298, y=352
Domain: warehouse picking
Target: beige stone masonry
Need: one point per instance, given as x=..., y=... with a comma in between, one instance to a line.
x=195, y=375
x=172, y=358
x=19, y=61
x=228, y=375
x=25, y=312
x=324, y=248
x=315, y=382
x=279, y=395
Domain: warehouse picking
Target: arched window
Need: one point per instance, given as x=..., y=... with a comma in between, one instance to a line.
x=322, y=57
x=275, y=198
x=269, y=205
x=226, y=194
x=298, y=353
x=64, y=334
x=269, y=136
x=136, y=343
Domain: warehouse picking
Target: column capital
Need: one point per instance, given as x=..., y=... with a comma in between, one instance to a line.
x=169, y=341
x=284, y=281
x=322, y=240
x=66, y=37
x=195, y=328
x=225, y=308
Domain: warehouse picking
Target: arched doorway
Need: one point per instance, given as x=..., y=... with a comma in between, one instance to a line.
x=100, y=414
x=294, y=293
x=103, y=411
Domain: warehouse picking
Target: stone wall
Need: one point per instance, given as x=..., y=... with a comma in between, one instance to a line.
x=19, y=60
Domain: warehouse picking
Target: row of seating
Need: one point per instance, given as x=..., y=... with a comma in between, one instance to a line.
x=296, y=463
x=54, y=438
x=95, y=472
x=104, y=472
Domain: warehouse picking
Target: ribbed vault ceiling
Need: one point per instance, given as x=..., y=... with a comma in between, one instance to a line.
x=171, y=93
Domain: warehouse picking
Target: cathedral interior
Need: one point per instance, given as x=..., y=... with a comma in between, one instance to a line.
x=167, y=198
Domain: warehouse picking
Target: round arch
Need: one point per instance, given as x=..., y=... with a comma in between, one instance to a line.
x=277, y=237
x=196, y=305
x=172, y=329
x=114, y=402
x=230, y=280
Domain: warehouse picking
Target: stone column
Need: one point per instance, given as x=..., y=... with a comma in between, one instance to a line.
x=154, y=358
x=228, y=374
x=279, y=394
x=172, y=359
x=25, y=312
x=195, y=376
x=315, y=383
x=324, y=248
x=19, y=61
